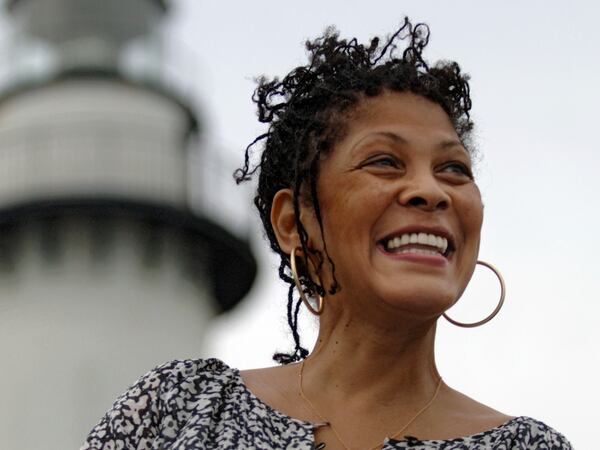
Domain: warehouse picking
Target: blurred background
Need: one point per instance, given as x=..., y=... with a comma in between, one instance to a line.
x=125, y=243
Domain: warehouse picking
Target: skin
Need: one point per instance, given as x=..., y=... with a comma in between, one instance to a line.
x=400, y=164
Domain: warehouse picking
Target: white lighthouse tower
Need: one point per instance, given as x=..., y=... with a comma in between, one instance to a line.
x=105, y=269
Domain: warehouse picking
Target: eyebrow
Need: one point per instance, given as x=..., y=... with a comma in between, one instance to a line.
x=444, y=145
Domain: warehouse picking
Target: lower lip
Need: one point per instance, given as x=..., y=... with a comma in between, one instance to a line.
x=432, y=260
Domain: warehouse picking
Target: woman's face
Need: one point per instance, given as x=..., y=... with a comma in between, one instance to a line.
x=401, y=212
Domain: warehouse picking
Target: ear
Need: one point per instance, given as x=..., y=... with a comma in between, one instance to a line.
x=283, y=220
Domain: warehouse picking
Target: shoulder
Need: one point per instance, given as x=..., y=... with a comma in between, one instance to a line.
x=157, y=405
x=465, y=416
x=173, y=381
x=534, y=434
x=518, y=433
x=178, y=373
x=277, y=387
x=185, y=368
x=482, y=427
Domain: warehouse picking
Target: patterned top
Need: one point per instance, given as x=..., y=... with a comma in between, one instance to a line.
x=204, y=404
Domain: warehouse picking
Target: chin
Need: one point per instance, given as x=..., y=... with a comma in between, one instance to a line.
x=423, y=302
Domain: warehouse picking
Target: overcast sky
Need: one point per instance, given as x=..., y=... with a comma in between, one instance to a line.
x=534, y=68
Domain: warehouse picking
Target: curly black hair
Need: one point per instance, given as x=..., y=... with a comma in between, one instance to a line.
x=306, y=110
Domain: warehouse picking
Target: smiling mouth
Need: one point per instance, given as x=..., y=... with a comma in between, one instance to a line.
x=417, y=243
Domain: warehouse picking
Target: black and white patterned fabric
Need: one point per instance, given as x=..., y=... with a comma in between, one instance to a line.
x=204, y=404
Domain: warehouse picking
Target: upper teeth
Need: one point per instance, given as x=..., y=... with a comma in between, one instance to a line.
x=418, y=238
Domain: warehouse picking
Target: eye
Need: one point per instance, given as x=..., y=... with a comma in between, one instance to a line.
x=382, y=161
x=458, y=168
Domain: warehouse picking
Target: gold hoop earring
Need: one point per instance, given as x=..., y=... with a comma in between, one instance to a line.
x=494, y=312
x=320, y=303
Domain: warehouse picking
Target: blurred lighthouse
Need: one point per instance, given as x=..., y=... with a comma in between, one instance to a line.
x=105, y=268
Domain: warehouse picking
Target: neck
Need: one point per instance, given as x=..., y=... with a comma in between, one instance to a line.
x=355, y=359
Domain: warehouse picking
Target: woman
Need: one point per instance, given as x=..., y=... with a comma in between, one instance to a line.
x=366, y=192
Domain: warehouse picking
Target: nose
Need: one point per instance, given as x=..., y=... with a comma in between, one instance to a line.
x=425, y=192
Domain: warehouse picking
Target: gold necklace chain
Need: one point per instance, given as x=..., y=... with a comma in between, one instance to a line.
x=339, y=438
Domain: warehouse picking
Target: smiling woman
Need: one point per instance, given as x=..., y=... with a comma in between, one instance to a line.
x=366, y=191
x=399, y=175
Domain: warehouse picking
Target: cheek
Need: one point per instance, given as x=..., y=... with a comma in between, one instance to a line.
x=308, y=217
x=474, y=221
x=478, y=216
x=471, y=213
x=350, y=213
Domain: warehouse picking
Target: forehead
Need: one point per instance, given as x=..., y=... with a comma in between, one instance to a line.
x=410, y=118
